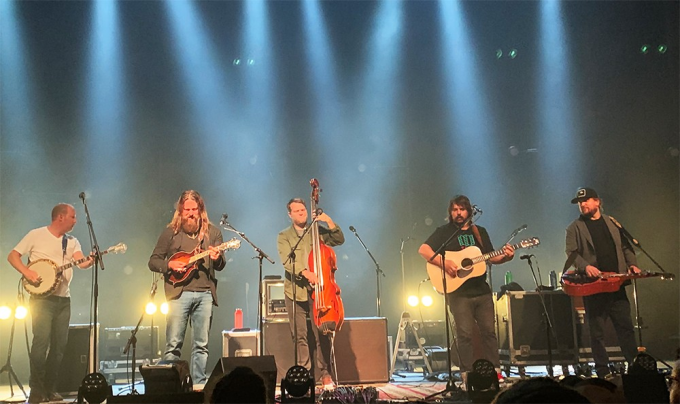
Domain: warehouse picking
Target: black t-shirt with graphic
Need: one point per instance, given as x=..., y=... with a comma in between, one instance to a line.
x=465, y=238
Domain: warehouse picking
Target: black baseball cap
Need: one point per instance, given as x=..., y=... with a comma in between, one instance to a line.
x=584, y=194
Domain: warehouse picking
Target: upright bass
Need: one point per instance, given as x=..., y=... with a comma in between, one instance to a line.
x=328, y=310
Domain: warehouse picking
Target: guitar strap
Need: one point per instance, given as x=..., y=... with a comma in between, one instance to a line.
x=478, y=237
x=64, y=243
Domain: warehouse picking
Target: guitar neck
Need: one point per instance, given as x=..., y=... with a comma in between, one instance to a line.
x=76, y=262
x=203, y=254
x=496, y=253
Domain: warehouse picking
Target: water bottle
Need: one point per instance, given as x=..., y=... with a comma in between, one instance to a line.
x=553, y=280
x=238, y=319
x=508, y=277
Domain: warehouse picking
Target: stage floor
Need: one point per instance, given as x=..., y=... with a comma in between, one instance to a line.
x=404, y=386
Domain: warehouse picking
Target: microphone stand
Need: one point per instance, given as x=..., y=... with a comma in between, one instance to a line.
x=260, y=296
x=378, y=271
x=293, y=280
x=98, y=261
x=8, y=365
x=666, y=276
x=550, y=331
x=450, y=385
x=132, y=341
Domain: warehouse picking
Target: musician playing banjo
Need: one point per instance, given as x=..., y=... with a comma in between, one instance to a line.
x=599, y=247
x=191, y=300
x=50, y=310
x=472, y=303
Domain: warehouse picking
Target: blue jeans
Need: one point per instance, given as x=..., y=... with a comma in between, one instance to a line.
x=50, y=315
x=194, y=308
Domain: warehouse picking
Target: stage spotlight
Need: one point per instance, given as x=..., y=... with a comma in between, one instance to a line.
x=662, y=48
x=164, y=308
x=151, y=308
x=482, y=381
x=5, y=312
x=499, y=53
x=643, y=363
x=94, y=388
x=512, y=54
x=297, y=383
x=412, y=301
x=644, y=49
x=21, y=312
x=427, y=301
x=236, y=62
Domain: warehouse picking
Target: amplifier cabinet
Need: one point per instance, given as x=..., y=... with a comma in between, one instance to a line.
x=240, y=343
x=361, y=349
x=75, y=361
x=273, y=300
x=114, y=341
x=522, y=329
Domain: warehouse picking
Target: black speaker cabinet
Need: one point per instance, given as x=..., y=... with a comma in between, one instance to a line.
x=75, y=361
x=262, y=365
x=522, y=329
x=361, y=349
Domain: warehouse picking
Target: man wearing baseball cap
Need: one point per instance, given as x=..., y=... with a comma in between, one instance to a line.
x=599, y=247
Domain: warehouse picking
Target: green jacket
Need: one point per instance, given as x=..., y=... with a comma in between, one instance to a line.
x=285, y=242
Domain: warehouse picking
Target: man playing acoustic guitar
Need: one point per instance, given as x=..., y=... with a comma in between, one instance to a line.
x=599, y=247
x=193, y=298
x=50, y=311
x=472, y=303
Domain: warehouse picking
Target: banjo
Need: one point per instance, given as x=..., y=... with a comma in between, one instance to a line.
x=50, y=273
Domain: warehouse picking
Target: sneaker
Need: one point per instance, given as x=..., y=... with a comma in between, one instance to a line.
x=327, y=383
x=54, y=396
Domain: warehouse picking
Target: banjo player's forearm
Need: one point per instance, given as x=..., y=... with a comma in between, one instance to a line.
x=14, y=258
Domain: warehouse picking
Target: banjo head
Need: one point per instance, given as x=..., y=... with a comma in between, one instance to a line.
x=47, y=270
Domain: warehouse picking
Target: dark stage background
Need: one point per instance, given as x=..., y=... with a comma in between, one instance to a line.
x=394, y=106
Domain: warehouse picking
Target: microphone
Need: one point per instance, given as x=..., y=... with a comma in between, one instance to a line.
x=82, y=196
x=476, y=209
x=526, y=256
x=352, y=229
x=223, y=220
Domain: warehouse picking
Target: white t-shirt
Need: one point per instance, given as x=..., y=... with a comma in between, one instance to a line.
x=41, y=244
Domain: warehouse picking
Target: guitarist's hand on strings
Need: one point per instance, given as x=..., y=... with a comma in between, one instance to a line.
x=32, y=277
x=177, y=265
x=592, y=271
x=451, y=268
x=214, y=253
x=634, y=269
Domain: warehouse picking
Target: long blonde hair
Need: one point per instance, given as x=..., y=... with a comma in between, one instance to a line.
x=176, y=223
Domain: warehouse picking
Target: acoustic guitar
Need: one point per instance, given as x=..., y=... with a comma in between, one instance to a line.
x=471, y=264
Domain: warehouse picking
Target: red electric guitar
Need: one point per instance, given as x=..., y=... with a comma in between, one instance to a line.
x=575, y=284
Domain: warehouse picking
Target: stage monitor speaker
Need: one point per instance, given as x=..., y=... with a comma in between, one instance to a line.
x=265, y=366
x=75, y=359
x=361, y=349
x=166, y=377
x=645, y=388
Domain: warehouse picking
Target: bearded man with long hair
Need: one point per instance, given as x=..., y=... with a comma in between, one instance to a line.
x=191, y=300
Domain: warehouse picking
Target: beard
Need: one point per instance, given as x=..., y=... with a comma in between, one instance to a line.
x=190, y=225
